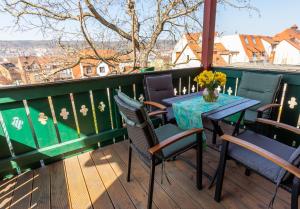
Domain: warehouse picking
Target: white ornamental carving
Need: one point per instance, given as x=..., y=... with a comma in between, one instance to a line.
x=17, y=123
x=64, y=113
x=229, y=91
x=175, y=91
x=184, y=90
x=193, y=88
x=101, y=106
x=141, y=98
x=43, y=118
x=84, y=110
x=292, y=103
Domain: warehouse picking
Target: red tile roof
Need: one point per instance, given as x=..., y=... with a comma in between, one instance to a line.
x=289, y=33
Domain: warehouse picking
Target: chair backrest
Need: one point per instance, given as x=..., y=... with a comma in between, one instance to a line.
x=158, y=87
x=139, y=126
x=258, y=86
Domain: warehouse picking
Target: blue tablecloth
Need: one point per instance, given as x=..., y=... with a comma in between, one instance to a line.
x=188, y=113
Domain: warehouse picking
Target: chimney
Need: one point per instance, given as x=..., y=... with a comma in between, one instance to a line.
x=294, y=27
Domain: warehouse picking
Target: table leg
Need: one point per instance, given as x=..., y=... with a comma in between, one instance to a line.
x=238, y=123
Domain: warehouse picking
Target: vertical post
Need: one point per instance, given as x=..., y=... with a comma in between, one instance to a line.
x=208, y=35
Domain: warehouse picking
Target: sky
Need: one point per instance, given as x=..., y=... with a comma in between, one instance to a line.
x=275, y=16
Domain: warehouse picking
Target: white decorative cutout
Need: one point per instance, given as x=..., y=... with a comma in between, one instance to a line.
x=84, y=110
x=184, y=90
x=175, y=91
x=101, y=106
x=141, y=98
x=219, y=89
x=292, y=103
x=17, y=123
x=193, y=88
x=43, y=118
x=64, y=113
x=229, y=91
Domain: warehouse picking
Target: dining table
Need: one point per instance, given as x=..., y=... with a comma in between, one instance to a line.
x=215, y=114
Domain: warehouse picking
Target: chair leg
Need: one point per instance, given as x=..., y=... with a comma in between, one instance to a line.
x=151, y=183
x=199, y=161
x=221, y=171
x=129, y=162
x=247, y=172
x=295, y=193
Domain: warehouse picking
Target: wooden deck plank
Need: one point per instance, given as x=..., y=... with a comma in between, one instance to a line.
x=160, y=197
x=41, y=189
x=173, y=190
x=59, y=189
x=22, y=191
x=6, y=192
x=79, y=196
x=187, y=183
x=136, y=192
x=98, y=180
x=115, y=189
x=98, y=194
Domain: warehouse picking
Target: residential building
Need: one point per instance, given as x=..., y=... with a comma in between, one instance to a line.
x=288, y=52
x=10, y=74
x=94, y=67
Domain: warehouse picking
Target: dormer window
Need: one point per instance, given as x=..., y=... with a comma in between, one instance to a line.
x=246, y=40
x=89, y=70
x=254, y=40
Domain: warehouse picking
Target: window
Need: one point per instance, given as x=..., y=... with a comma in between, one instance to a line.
x=89, y=70
x=254, y=41
x=254, y=56
x=102, y=69
x=246, y=40
x=187, y=57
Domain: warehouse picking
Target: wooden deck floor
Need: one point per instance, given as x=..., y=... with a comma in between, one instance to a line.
x=97, y=180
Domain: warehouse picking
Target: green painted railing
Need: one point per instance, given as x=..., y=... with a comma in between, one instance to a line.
x=47, y=122
x=44, y=123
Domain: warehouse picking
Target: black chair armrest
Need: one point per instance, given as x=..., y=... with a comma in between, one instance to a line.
x=174, y=139
x=263, y=153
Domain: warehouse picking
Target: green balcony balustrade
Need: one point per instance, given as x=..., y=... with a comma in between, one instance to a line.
x=47, y=122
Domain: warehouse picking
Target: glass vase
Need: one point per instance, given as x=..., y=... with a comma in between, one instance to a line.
x=210, y=95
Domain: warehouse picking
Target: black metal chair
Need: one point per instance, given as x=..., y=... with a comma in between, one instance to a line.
x=157, y=88
x=271, y=159
x=161, y=87
x=261, y=87
x=154, y=146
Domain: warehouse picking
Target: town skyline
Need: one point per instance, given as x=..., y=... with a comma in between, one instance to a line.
x=248, y=22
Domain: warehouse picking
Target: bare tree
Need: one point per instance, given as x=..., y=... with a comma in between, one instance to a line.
x=137, y=24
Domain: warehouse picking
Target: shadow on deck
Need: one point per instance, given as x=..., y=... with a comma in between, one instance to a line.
x=97, y=179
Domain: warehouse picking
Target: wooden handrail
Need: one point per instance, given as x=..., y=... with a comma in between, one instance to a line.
x=157, y=112
x=267, y=106
x=155, y=104
x=264, y=153
x=173, y=139
x=279, y=125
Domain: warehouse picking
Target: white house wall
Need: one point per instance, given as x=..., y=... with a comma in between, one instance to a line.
x=267, y=46
x=233, y=43
x=179, y=47
x=182, y=60
x=285, y=53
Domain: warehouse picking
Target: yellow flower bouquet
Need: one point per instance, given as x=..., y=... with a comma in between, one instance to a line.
x=210, y=81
